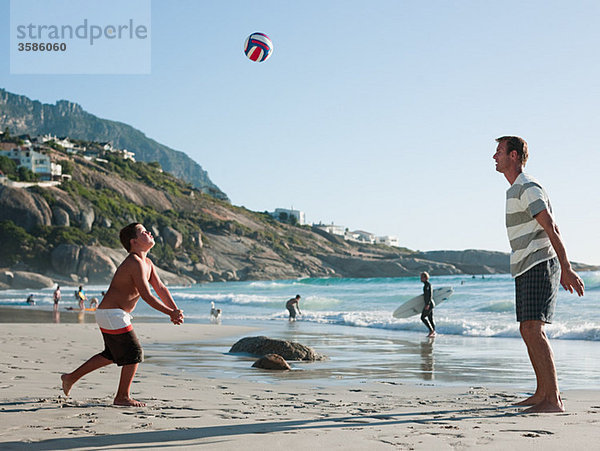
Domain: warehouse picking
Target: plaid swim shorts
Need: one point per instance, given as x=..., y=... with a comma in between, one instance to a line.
x=536, y=291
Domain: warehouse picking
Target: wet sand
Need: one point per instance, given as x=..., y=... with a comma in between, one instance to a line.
x=186, y=409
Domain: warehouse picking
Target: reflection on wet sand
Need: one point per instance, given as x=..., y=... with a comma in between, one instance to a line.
x=427, y=361
x=48, y=315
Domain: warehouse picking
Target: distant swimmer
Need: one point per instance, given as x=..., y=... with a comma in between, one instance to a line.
x=293, y=306
x=539, y=263
x=132, y=280
x=30, y=300
x=427, y=313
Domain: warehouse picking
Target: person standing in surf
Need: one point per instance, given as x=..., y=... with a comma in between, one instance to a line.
x=427, y=313
x=537, y=250
x=293, y=305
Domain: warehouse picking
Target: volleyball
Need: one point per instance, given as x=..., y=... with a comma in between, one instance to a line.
x=258, y=47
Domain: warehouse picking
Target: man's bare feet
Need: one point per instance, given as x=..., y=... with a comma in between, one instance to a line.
x=431, y=334
x=531, y=401
x=129, y=402
x=546, y=407
x=66, y=384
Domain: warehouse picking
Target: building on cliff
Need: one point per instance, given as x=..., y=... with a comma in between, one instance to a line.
x=285, y=215
x=36, y=162
x=332, y=229
x=388, y=240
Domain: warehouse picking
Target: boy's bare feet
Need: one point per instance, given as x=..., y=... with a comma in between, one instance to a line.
x=129, y=402
x=66, y=384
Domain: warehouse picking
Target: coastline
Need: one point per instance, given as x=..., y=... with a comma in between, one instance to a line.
x=186, y=409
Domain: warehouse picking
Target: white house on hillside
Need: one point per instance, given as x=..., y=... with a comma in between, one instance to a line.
x=280, y=213
x=66, y=144
x=63, y=141
x=36, y=162
x=332, y=229
x=361, y=236
x=388, y=240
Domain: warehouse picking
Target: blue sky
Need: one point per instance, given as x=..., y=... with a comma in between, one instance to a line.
x=378, y=116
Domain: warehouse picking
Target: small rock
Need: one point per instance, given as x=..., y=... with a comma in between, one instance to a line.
x=272, y=362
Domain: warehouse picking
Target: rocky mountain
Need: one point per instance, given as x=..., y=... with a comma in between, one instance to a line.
x=70, y=233
x=25, y=116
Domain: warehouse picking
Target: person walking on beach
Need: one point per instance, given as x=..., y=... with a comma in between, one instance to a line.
x=56, y=297
x=427, y=313
x=81, y=297
x=538, y=262
x=292, y=305
x=131, y=281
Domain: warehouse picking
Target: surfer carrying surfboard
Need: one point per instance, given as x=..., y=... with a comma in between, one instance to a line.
x=427, y=313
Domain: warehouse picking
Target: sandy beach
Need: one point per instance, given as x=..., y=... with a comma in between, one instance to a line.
x=187, y=410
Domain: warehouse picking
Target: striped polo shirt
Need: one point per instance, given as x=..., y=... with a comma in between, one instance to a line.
x=529, y=242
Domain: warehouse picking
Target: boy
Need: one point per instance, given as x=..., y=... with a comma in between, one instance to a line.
x=131, y=281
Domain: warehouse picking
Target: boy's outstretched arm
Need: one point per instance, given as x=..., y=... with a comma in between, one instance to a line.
x=140, y=280
x=164, y=294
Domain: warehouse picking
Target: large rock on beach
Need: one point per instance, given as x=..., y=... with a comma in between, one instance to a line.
x=95, y=265
x=23, y=280
x=65, y=258
x=173, y=279
x=289, y=350
x=6, y=277
x=272, y=362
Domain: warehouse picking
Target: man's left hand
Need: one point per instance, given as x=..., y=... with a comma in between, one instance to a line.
x=571, y=281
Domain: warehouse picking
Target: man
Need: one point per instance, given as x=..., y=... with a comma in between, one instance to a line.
x=292, y=305
x=131, y=281
x=427, y=313
x=537, y=251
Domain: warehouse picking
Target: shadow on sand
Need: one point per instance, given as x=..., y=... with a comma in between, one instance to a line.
x=186, y=437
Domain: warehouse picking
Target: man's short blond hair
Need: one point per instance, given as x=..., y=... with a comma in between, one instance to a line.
x=426, y=274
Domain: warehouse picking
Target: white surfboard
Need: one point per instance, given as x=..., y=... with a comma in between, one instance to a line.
x=415, y=305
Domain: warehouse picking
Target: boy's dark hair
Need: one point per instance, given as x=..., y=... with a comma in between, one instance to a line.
x=516, y=143
x=127, y=233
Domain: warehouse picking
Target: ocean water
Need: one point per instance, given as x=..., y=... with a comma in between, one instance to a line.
x=350, y=321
